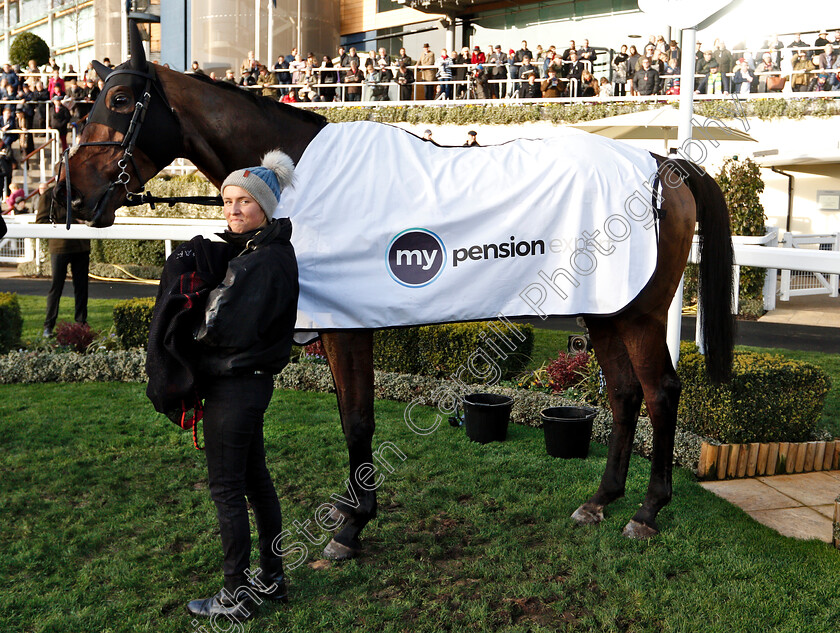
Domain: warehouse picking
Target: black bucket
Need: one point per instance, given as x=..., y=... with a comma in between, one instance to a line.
x=486, y=416
x=568, y=430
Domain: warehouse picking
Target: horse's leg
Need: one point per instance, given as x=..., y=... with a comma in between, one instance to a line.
x=625, y=395
x=645, y=339
x=350, y=355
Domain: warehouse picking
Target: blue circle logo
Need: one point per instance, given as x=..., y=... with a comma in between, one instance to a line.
x=416, y=257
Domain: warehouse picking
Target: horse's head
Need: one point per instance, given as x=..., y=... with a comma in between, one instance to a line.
x=131, y=134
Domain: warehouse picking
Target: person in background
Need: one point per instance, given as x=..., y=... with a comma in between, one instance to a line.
x=16, y=194
x=74, y=254
x=743, y=78
x=552, y=86
x=59, y=120
x=703, y=68
x=587, y=54
x=403, y=57
x=632, y=59
x=405, y=78
x=444, y=74
x=530, y=89
x=427, y=135
x=724, y=60
x=646, y=80
x=353, y=79
x=498, y=72
x=478, y=56
x=471, y=139
x=802, y=68
x=619, y=64
x=7, y=170
x=425, y=72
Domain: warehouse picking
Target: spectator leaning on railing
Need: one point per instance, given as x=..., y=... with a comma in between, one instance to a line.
x=456, y=74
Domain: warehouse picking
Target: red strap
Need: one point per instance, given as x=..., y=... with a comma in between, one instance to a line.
x=192, y=421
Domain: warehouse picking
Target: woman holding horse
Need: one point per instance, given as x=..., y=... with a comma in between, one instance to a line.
x=243, y=340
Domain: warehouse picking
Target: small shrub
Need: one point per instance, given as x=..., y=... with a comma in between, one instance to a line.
x=567, y=370
x=314, y=353
x=76, y=336
x=465, y=349
x=132, y=319
x=770, y=398
x=11, y=322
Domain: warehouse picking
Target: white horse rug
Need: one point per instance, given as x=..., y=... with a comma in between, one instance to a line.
x=391, y=230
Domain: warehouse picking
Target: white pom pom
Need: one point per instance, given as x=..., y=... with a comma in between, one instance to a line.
x=281, y=164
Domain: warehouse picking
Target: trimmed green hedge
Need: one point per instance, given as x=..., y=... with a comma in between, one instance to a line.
x=505, y=113
x=132, y=319
x=136, y=252
x=770, y=398
x=465, y=349
x=11, y=322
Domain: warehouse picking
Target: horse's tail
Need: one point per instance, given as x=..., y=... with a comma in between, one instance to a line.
x=716, y=278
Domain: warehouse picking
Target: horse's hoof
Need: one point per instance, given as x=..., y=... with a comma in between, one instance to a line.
x=336, y=551
x=584, y=516
x=639, y=531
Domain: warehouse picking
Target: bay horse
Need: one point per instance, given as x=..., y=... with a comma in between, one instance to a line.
x=148, y=115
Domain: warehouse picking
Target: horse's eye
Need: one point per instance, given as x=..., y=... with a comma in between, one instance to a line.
x=119, y=100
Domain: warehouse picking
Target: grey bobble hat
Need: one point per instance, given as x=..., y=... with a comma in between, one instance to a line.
x=266, y=181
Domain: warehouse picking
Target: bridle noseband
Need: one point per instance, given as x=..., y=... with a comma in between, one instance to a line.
x=114, y=120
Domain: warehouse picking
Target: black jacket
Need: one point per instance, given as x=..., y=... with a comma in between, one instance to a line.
x=190, y=273
x=250, y=316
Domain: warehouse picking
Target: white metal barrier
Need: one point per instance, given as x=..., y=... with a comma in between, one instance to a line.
x=798, y=283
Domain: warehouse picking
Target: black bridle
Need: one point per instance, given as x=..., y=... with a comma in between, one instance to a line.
x=155, y=151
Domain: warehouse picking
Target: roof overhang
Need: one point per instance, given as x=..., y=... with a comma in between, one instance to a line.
x=460, y=8
x=825, y=163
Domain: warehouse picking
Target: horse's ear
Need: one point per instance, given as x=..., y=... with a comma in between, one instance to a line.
x=138, y=54
x=101, y=69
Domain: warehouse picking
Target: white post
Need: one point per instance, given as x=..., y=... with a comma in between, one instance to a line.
x=299, y=44
x=50, y=12
x=123, y=31
x=270, y=52
x=687, y=84
x=6, y=30
x=784, y=294
x=686, y=112
x=770, y=283
x=450, y=36
x=256, y=29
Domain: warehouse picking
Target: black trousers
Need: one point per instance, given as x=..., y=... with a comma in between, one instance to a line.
x=79, y=264
x=233, y=444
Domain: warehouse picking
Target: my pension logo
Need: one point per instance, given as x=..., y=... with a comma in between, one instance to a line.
x=416, y=257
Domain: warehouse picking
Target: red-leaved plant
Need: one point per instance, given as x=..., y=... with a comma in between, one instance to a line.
x=315, y=349
x=567, y=370
x=77, y=336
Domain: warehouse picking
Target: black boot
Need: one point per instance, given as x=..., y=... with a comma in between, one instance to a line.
x=235, y=608
x=271, y=585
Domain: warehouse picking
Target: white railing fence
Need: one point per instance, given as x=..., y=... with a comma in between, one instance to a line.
x=798, y=283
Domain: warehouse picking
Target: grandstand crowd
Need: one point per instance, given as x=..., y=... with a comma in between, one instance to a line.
x=578, y=70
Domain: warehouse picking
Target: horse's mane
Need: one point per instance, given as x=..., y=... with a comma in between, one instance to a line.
x=264, y=102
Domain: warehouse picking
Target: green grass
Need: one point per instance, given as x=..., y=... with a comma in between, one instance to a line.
x=33, y=309
x=106, y=525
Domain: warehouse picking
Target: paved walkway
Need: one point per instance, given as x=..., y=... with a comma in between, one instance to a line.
x=820, y=311
x=800, y=506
